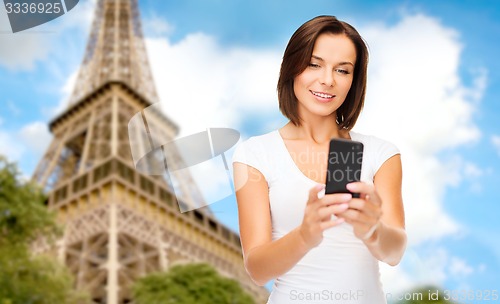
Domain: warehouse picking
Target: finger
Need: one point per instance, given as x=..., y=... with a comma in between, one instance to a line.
x=331, y=223
x=325, y=213
x=337, y=198
x=365, y=206
x=313, y=193
x=374, y=199
x=367, y=191
x=352, y=215
x=360, y=187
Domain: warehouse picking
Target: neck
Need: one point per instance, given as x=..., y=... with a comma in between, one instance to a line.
x=318, y=130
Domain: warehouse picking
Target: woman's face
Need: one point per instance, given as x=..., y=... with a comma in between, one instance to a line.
x=323, y=86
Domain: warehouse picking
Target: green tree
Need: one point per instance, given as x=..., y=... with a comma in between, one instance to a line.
x=23, y=216
x=24, y=277
x=190, y=283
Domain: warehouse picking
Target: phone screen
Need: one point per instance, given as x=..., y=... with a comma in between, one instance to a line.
x=344, y=165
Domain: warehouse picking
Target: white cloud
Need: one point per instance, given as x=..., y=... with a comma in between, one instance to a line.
x=31, y=139
x=202, y=84
x=23, y=49
x=78, y=21
x=36, y=137
x=10, y=146
x=435, y=269
x=418, y=271
x=417, y=99
x=65, y=94
x=79, y=17
x=472, y=176
x=156, y=26
x=20, y=51
x=495, y=141
x=472, y=171
x=459, y=268
x=414, y=79
x=25, y=145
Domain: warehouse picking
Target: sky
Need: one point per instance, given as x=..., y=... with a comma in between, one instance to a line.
x=433, y=90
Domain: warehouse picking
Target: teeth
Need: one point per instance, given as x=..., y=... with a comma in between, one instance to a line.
x=322, y=95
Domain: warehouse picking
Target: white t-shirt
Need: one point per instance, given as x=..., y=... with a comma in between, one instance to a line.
x=340, y=269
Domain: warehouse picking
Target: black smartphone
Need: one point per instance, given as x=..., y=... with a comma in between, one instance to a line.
x=344, y=165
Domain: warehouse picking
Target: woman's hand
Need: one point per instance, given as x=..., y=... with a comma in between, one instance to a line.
x=364, y=213
x=318, y=214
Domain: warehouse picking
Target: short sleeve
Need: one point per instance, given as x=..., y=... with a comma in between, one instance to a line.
x=384, y=151
x=248, y=153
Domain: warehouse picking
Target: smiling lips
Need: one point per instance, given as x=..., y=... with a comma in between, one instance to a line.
x=322, y=95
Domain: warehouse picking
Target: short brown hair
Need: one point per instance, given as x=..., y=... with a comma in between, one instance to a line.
x=297, y=57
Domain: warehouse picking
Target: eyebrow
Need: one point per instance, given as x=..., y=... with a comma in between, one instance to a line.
x=340, y=63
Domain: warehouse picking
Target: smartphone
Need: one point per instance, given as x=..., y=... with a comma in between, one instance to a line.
x=344, y=165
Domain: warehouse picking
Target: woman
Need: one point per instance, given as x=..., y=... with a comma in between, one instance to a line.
x=319, y=248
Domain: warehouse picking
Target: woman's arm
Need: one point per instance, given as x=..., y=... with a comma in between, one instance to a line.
x=378, y=216
x=266, y=259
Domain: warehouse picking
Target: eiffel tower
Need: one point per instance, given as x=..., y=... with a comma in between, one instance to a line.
x=120, y=224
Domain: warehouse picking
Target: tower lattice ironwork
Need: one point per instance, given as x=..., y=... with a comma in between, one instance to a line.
x=119, y=223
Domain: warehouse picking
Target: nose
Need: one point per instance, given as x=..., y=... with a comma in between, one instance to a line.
x=327, y=78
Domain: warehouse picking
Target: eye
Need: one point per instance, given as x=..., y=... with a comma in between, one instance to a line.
x=314, y=65
x=343, y=71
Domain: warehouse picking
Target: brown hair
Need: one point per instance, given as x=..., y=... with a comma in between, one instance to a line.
x=297, y=57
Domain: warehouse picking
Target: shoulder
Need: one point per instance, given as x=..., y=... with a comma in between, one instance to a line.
x=258, y=142
x=374, y=143
x=257, y=152
x=376, y=151
x=261, y=139
x=255, y=147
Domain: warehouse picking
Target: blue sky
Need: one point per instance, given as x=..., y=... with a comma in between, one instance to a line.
x=434, y=88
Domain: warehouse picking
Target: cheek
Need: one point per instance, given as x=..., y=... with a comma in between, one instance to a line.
x=298, y=85
x=304, y=79
x=346, y=85
x=298, y=81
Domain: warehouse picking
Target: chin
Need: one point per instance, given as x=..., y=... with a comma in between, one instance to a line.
x=318, y=110
x=322, y=115
x=322, y=112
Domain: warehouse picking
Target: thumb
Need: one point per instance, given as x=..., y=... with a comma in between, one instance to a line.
x=315, y=192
